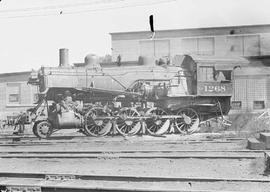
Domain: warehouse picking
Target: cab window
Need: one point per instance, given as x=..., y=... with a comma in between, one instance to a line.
x=209, y=74
x=206, y=74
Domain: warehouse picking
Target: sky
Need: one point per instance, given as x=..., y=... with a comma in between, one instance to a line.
x=32, y=31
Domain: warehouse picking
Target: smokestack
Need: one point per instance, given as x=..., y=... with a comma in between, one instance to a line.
x=63, y=57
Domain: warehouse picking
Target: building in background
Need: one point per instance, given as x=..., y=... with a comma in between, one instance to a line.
x=15, y=94
x=251, y=83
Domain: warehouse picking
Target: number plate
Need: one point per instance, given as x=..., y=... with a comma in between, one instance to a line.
x=215, y=88
x=206, y=88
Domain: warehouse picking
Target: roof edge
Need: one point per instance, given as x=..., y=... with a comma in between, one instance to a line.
x=14, y=73
x=200, y=28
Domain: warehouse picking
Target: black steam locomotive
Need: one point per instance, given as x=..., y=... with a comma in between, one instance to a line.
x=117, y=98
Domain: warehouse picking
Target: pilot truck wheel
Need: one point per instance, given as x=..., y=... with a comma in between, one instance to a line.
x=42, y=129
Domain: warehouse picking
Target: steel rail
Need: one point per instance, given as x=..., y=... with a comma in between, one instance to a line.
x=130, y=178
x=128, y=151
x=120, y=156
x=7, y=136
x=108, y=136
x=57, y=188
x=67, y=137
x=81, y=142
x=15, y=141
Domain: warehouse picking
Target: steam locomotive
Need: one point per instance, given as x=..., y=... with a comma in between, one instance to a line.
x=153, y=98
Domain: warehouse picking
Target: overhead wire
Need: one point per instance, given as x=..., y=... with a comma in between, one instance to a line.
x=126, y=6
x=41, y=8
x=68, y=12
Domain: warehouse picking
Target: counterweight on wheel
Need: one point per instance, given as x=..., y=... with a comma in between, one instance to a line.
x=156, y=124
x=128, y=121
x=97, y=122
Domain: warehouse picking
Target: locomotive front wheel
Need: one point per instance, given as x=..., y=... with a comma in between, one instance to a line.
x=43, y=129
x=96, y=123
x=188, y=122
x=156, y=125
x=128, y=122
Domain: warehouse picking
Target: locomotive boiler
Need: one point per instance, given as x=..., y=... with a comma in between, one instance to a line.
x=129, y=99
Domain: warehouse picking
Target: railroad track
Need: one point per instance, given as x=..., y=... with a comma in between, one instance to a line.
x=31, y=137
x=44, y=143
x=4, y=137
x=143, y=154
x=28, y=141
x=129, y=178
x=43, y=182
x=66, y=182
x=21, y=151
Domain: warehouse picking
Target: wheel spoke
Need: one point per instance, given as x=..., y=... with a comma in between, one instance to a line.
x=121, y=124
x=91, y=128
x=180, y=123
x=194, y=116
x=94, y=125
x=155, y=125
x=121, y=127
x=125, y=129
x=151, y=127
x=129, y=128
x=181, y=126
x=156, y=128
x=125, y=124
x=42, y=129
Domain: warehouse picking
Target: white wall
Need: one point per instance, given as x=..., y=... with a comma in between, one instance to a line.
x=223, y=45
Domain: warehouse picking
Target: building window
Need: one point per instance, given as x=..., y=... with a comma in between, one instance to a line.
x=244, y=45
x=235, y=45
x=206, y=46
x=190, y=46
x=236, y=105
x=155, y=48
x=258, y=105
x=13, y=93
x=199, y=46
x=13, y=98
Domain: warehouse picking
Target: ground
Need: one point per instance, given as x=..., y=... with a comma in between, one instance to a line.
x=181, y=160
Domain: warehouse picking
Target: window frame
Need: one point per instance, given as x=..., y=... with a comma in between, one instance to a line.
x=200, y=79
x=236, y=108
x=8, y=94
x=258, y=103
x=195, y=48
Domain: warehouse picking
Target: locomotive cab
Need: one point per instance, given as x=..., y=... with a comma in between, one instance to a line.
x=214, y=80
x=202, y=76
